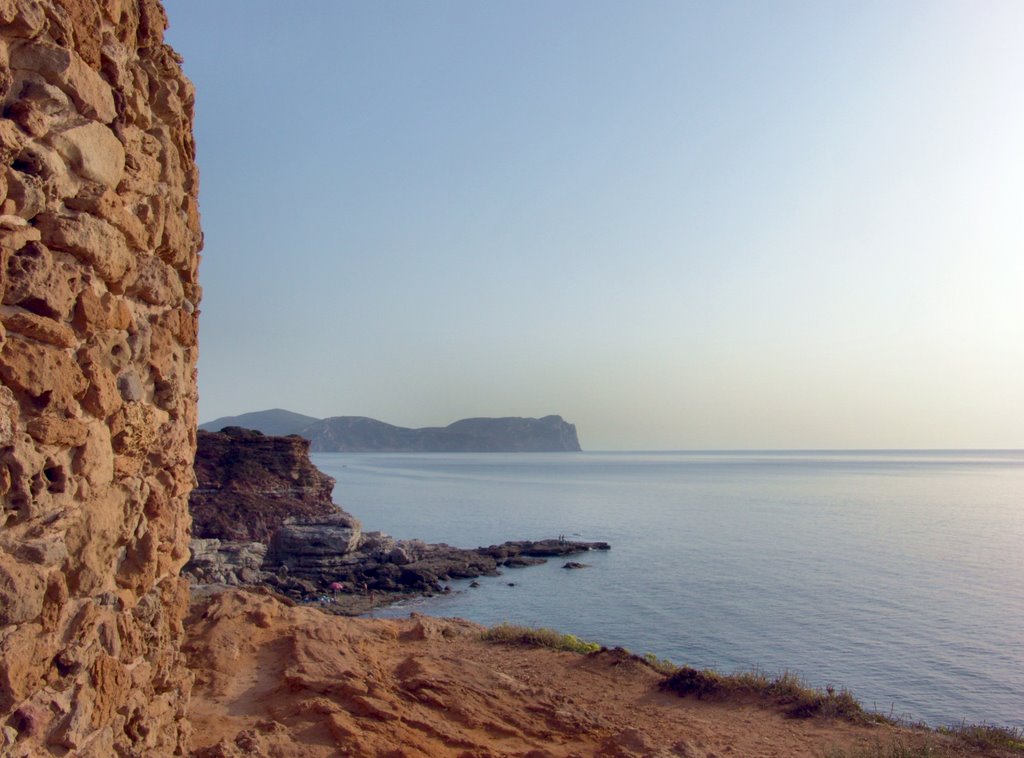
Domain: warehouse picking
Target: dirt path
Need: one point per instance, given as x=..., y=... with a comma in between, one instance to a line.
x=287, y=681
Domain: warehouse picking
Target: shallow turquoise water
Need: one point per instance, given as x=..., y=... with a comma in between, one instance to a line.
x=897, y=574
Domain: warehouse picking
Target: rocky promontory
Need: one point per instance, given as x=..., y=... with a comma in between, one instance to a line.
x=262, y=514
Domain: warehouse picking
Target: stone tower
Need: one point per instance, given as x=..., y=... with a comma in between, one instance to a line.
x=99, y=249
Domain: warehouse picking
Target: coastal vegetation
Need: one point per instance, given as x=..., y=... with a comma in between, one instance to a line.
x=524, y=635
x=788, y=690
x=950, y=742
x=661, y=665
x=896, y=749
x=986, y=736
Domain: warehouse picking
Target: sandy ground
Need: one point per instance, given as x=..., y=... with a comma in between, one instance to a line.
x=279, y=680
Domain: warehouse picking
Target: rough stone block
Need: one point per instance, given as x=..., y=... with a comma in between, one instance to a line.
x=21, y=591
x=26, y=655
x=8, y=416
x=94, y=461
x=93, y=151
x=23, y=19
x=94, y=241
x=65, y=69
x=46, y=163
x=49, y=375
x=11, y=141
x=102, y=398
x=29, y=117
x=39, y=283
x=40, y=328
x=156, y=283
x=103, y=202
x=15, y=239
x=52, y=430
x=26, y=191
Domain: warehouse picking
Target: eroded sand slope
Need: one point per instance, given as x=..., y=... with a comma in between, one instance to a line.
x=278, y=680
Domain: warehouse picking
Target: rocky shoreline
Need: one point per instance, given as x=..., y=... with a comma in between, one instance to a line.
x=378, y=571
x=263, y=515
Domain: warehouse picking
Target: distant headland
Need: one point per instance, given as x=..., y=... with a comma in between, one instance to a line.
x=358, y=434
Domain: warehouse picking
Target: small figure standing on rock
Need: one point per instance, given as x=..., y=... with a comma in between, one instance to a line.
x=561, y=539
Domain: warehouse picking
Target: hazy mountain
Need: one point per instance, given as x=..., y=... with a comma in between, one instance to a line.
x=358, y=434
x=276, y=421
x=474, y=435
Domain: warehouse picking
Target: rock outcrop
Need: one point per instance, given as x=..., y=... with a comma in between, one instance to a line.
x=378, y=562
x=232, y=562
x=262, y=513
x=358, y=434
x=249, y=483
x=315, y=548
x=99, y=241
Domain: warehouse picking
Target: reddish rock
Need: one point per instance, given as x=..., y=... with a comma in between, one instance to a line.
x=91, y=239
x=248, y=484
x=40, y=328
x=52, y=430
x=38, y=283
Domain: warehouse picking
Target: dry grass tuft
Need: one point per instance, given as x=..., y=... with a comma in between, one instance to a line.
x=788, y=690
x=986, y=737
x=895, y=749
x=524, y=635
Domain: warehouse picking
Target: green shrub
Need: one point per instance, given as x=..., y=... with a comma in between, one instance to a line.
x=524, y=635
x=661, y=665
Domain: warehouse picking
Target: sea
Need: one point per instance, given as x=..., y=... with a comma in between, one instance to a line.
x=898, y=575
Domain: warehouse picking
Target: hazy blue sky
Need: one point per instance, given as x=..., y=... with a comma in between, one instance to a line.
x=677, y=224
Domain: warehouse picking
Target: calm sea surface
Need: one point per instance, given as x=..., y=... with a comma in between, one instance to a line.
x=899, y=575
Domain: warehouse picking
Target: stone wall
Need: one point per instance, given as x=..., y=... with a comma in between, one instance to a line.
x=99, y=241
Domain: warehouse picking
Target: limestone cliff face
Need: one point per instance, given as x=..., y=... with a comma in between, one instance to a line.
x=249, y=483
x=99, y=241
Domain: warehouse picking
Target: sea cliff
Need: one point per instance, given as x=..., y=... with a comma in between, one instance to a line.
x=248, y=483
